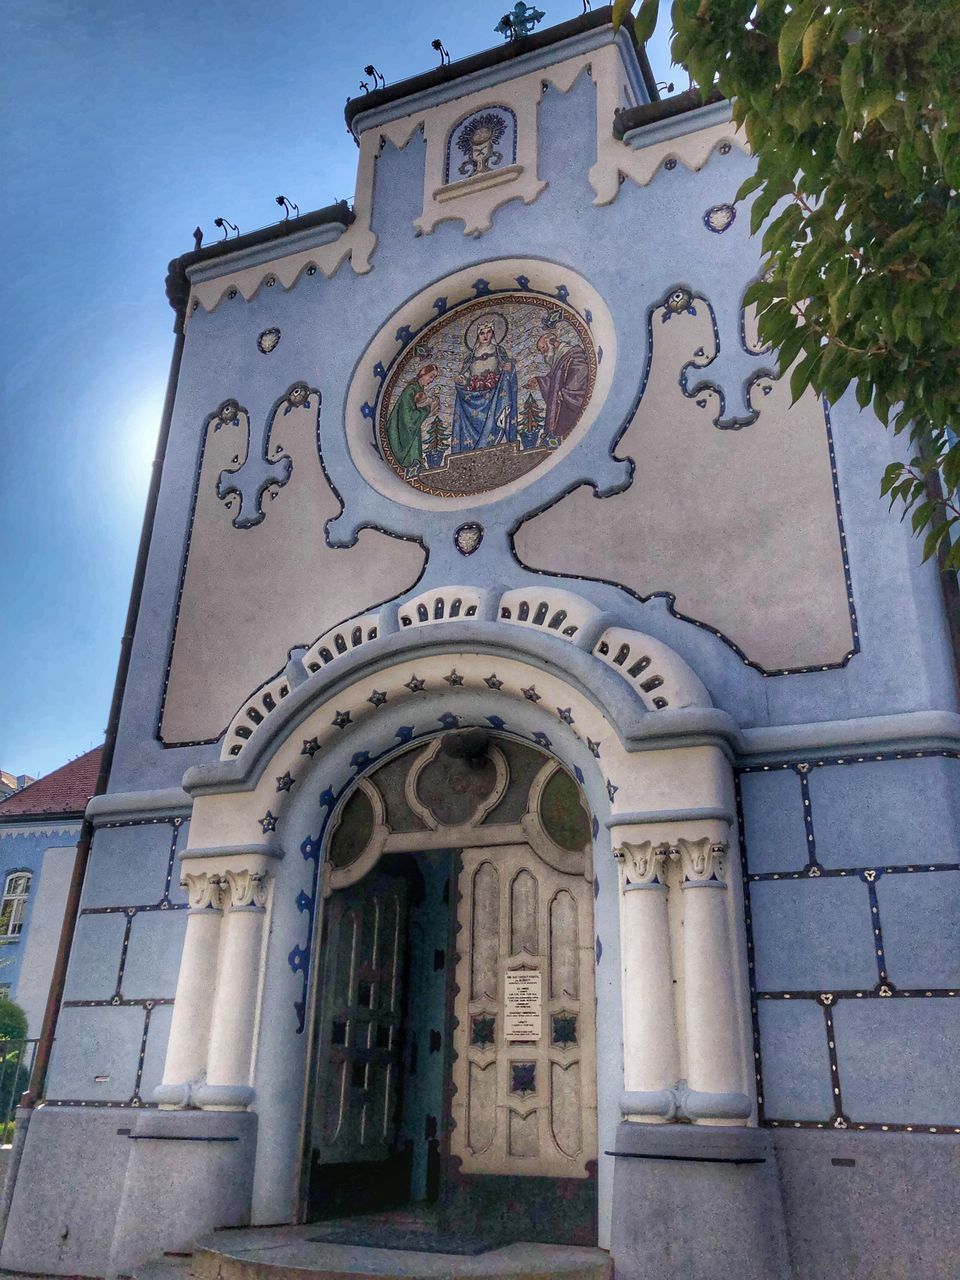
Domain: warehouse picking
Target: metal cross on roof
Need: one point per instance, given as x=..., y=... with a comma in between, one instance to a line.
x=520, y=21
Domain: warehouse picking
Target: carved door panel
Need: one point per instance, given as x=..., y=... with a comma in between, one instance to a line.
x=524, y=1106
x=358, y=1060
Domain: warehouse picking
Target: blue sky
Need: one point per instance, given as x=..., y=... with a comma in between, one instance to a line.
x=125, y=125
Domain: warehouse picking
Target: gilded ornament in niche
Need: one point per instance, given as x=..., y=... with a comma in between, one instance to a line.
x=483, y=142
x=486, y=394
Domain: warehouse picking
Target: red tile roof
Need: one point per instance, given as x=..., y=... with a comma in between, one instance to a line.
x=65, y=791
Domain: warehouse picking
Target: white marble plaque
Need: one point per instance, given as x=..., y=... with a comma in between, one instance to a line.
x=521, y=1005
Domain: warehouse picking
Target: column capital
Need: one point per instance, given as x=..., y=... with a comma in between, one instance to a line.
x=702, y=860
x=246, y=888
x=643, y=862
x=203, y=890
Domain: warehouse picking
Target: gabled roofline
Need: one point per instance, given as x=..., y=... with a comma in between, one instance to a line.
x=177, y=283
x=463, y=67
x=661, y=109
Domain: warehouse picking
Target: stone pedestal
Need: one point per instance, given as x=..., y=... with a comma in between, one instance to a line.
x=197, y=1165
x=697, y=1202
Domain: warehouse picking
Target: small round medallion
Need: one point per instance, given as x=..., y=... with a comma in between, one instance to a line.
x=719, y=217
x=467, y=538
x=268, y=340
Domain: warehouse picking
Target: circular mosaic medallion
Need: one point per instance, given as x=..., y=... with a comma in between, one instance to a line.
x=486, y=393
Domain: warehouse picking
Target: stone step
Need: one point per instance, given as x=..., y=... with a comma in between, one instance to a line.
x=169, y=1267
x=288, y=1253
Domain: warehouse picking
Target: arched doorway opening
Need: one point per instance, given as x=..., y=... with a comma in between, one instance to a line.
x=453, y=1058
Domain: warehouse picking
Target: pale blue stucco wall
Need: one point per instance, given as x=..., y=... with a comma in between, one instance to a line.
x=631, y=251
x=21, y=849
x=811, y=935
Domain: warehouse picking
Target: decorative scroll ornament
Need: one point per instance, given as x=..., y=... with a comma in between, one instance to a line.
x=247, y=889
x=204, y=890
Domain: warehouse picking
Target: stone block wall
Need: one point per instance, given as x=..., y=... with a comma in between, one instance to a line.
x=852, y=871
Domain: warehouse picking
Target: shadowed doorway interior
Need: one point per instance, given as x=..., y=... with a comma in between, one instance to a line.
x=454, y=1038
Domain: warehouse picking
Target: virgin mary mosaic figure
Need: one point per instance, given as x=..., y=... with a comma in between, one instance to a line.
x=485, y=409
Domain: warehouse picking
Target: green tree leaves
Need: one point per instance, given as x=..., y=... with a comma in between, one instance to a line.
x=13, y=1020
x=852, y=111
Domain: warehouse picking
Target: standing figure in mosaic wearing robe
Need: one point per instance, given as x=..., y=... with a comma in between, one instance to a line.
x=404, y=426
x=564, y=388
x=485, y=411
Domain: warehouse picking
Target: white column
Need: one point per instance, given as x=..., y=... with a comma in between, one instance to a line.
x=650, y=1048
x=712, y=1015
x=235, y=1003
x=190, y=1025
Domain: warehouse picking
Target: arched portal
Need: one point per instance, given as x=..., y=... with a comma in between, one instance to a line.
x=672, y=1010
x=453, y=1054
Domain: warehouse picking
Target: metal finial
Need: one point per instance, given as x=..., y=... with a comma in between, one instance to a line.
x=444, y=56
x=520, y=21
x=197, y=237
x=378, y=80
x=288, y=206
x=226, y=226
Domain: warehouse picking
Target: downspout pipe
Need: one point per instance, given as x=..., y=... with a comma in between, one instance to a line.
x=177, y=292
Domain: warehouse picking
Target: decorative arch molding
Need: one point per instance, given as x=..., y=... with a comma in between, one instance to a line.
x=440, y=676
x=658, y=676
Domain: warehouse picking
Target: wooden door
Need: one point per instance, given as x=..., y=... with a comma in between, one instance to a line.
x=524, y=1106
x=359, y=1036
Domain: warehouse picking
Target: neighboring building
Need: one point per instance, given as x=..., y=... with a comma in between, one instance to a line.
x=537, y=781
x=11, y=782
x=39, y=826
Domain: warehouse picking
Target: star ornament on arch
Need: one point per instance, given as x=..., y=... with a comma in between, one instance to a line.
x=268, y=822
x=454, y=679
x=377, y=698
x=415, y=684
x=285, y=782
x=492, y=682
x=310, y=747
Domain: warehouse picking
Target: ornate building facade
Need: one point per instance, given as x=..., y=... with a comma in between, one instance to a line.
x=536, y=782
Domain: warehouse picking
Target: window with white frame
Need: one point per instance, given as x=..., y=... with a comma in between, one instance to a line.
x=13, y=905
